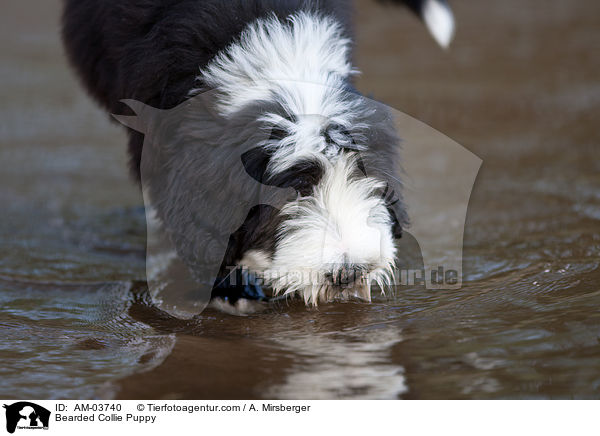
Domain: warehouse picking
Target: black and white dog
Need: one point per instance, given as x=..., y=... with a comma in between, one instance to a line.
x=280, y=65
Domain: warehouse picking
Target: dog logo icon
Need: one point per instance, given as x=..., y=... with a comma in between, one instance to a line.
x=26, y=415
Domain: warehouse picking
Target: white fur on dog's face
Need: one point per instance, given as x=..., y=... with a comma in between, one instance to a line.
x=344, y=222
x=303, y=66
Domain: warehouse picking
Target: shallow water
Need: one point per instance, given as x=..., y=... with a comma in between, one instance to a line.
x=519, y=88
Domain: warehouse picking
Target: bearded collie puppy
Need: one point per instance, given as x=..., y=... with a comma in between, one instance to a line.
x=282, y=66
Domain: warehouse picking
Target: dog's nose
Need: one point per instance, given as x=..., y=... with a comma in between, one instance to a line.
x=346, y=274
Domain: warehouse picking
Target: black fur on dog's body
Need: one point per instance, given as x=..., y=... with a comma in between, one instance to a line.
x=152, y=51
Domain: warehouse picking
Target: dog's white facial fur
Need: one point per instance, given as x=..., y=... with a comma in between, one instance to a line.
x=344, y=222
x=303, y=65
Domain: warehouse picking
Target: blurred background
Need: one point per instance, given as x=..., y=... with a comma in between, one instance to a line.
x=519, y=87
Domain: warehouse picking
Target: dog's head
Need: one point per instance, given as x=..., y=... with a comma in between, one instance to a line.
x=337, y=236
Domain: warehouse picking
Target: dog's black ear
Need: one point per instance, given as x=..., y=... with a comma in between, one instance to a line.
x=392, y=202
x=361, y=166
x=396, y=227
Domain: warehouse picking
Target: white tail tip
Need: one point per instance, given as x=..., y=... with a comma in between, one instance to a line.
x=439, y=20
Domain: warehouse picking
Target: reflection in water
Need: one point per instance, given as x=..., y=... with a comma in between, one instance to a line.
x=341, y=365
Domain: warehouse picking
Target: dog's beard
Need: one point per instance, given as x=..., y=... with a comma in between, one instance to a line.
x=317, y=292
x=313, y=286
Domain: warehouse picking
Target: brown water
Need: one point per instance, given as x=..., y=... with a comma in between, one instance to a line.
x=519, y=88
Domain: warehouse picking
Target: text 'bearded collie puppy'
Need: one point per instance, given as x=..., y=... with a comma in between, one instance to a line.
x=271, y=175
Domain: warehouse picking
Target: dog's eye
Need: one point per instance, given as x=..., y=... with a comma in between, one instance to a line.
x=277, y=134
x=336, y=134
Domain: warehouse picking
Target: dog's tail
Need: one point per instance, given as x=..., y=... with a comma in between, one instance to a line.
x=437, y=16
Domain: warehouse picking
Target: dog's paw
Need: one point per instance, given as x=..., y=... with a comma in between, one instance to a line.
x=241, y=307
